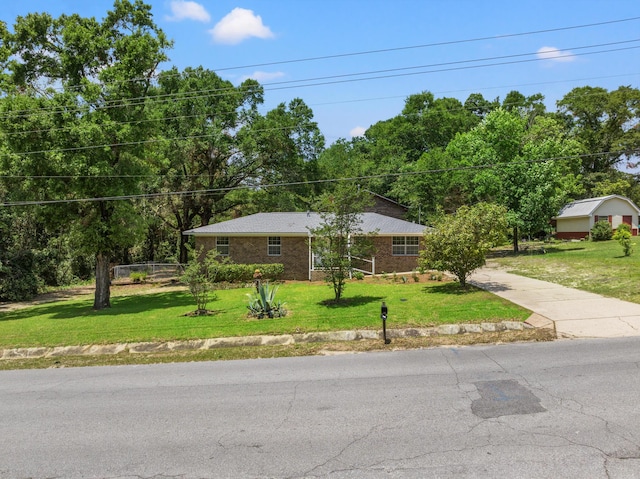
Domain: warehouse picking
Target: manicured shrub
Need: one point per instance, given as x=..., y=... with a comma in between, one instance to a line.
x=243, y=273
x=601, y=231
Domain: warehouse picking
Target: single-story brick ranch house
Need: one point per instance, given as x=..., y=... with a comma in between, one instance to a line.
x=576, y=219
x=285, y=238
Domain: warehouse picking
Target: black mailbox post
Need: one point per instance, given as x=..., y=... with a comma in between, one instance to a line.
x=384, y=311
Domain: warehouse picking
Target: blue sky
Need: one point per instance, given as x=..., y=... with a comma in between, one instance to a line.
x=233, y=37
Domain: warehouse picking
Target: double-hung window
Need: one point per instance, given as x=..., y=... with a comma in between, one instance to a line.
x=274, y=246
x=222, y=245
x=405, y=245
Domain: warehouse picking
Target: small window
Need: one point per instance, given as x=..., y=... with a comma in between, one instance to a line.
x=222, y=245
x=405, y=245
x=274, y=246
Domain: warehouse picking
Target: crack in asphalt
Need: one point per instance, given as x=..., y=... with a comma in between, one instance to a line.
x=336, y=456
x=285, y=418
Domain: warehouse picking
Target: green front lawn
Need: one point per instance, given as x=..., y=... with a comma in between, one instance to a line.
x=599, y=267
x=161, y=316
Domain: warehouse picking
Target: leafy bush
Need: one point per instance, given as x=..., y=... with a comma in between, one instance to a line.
x=262, y=304
x=601, y=231
x=623, y=237
x=18, y=278
x=138, y=276
x=459, y=243
x=243, y=273
x=359, y=275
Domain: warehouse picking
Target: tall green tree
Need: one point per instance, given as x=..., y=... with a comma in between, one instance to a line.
x=529, y=170
x=212, y=141
x=75, y=105
x=606, y=123
x=199, y=120
x=285, y=144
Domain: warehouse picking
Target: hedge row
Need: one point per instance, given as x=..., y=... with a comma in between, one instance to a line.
x=243, y=273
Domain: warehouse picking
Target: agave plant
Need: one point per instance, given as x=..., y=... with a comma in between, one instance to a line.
x=262, y=304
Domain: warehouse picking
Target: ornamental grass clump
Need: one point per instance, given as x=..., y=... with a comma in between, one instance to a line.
x=263, y=304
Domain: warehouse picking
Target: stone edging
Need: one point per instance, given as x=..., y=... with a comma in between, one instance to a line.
x=285, y=339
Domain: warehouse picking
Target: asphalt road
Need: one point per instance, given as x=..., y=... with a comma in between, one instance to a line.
x=566, y=409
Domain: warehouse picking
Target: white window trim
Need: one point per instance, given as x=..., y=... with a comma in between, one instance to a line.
x=223, y=245
x=278, y=244
x=404, y=246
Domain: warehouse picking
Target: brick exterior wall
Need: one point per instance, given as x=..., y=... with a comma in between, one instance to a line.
x=253, y=249
x=569, y=235
x=295, y=254
x=386, y=262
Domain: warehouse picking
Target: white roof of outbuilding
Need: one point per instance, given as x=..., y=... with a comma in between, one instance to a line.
x=300, y=223
x=588, y=206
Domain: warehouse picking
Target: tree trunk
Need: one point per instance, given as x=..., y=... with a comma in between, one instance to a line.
x=515, y=240
x=103, y=283
x=184, y=253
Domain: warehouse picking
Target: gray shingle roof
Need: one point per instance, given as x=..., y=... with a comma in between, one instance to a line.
x=299, y=224
x=587, y=207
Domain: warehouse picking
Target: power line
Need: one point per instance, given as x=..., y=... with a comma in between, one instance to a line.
x=272, y=86
x=297, y=183
x=182, y=117
x=394, y=49
x=161, y=140
x=427, y=45
x=469, y=67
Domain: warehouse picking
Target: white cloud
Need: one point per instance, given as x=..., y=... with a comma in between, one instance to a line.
x=555, y=55
x=263, y=76
x=238, y=25
x=185, y=10
x=357, y=131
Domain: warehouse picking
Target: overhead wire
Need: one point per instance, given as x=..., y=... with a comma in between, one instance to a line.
x=427, y=45
x=450, y=110
x=198, y=94
x=295, y=183
x=306, y=82
x=402, y=48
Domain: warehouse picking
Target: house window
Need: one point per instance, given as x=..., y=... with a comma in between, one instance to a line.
x=274, y=247
x=222, y=245
x=405, y=245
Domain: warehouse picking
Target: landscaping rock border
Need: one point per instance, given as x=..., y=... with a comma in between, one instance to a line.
x=285, y=339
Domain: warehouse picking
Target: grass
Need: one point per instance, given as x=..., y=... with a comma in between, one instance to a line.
x=161, y=316
x=599, y=267
x=294, y=350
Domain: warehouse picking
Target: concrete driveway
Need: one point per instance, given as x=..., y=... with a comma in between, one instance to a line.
x=574, y=313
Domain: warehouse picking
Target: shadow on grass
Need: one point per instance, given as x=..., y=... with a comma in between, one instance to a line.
x=535, y=251
x=351, y=302
x=119, y=305
x=450, y=288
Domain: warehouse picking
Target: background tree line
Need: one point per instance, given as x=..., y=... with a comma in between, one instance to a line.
x=106, y=159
